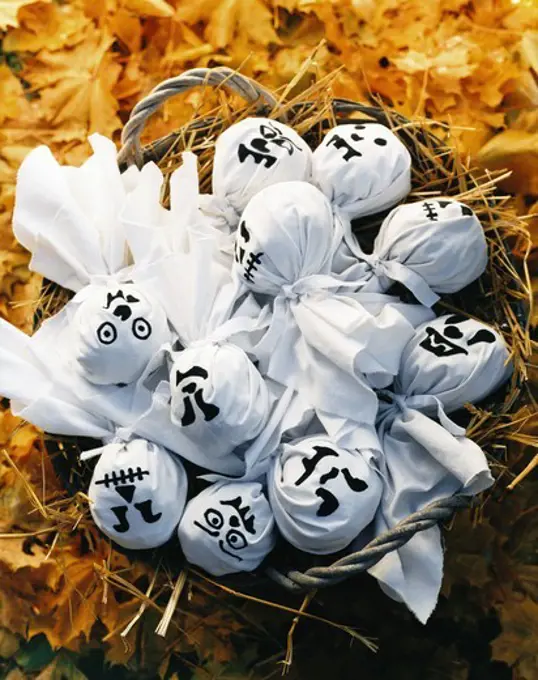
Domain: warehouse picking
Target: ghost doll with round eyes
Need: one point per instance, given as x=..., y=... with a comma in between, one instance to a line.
x=449, y=362
x=250, y=155
x=362, y=168
x=228, y=528
x=116, y=331
x=137, y=494
x=432, y=246
x=322, y=496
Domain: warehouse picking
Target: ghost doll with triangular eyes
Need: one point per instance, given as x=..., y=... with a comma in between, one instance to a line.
x=322, y=496
x=449, y=362
x=228, y=528
x=137, y=493
x=250, y=155
x=431, y=247
x=362, y=168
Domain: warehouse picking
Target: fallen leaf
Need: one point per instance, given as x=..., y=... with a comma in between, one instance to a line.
x=517, y=151
x=519, y=637
x=76, y=84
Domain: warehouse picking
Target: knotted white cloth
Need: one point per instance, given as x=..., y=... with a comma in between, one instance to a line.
x=362, y=168
x=251, y=155
x=137, y=493
x=227, y=528
x=426, y=456
x=322, y=496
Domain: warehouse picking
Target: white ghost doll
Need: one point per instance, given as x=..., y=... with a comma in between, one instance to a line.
x=362, y=168
x=322, y=496
x=217, y=397
x=433, y=246
x=323, y=337
x=137, y=493
x=426, y=456
x=228, y=528
x=250, y=155
x=69, y=220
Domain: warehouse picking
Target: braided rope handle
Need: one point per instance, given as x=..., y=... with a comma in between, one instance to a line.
x=362, y=560
x=250, y=90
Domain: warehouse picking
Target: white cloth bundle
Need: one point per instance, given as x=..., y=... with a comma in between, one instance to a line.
x=116, y=331
x=228, y=527
x=68, y=218
x=137, y=493
x=321, y=339
x=426, y=456
x=250, y=155
x=432, y=246
x=322, y=496
x=153, y=232
x=218, y=397
x=362, y=168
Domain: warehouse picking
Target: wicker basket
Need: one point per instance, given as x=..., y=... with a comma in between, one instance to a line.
x=498, y=297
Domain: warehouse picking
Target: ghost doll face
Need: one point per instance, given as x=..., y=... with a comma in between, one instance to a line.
x=218, y=397
x=453, y=355
x=117, y=330
x=322, y=496
x=227, y=528
x=138, y=493
x=255, y=153
x=362, y=168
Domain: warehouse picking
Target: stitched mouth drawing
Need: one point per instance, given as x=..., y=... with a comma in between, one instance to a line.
x=440, y=345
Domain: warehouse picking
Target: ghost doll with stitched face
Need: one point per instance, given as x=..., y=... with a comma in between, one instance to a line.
x=322, y=496
x=250, y=155
x=116, y=330
x=454, y=359
x=137, y=494
x=227, y=528
x=362, y=168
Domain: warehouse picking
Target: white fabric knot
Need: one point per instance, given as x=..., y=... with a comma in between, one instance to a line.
x=220, y=211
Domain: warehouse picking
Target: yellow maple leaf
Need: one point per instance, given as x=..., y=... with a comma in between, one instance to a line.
x=75, y=84
x=9, y=10
x=46, y=25
x=229, y=19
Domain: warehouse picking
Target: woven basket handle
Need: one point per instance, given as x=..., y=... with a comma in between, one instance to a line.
x=357, y=562
x=131, y=151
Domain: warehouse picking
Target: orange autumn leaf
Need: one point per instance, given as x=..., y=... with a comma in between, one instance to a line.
x=151, y=8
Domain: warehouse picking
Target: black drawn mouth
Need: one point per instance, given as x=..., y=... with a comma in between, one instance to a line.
x=221, y=546
x=208, y=531
x=439, y=345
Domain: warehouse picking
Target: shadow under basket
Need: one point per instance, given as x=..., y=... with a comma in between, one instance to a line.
x=499, y=298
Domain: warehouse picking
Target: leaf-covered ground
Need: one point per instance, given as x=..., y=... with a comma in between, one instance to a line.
x=68, y=68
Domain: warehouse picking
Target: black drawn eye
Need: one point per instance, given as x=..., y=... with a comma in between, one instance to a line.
x=107, y=333
x=453, y=332
x=380, y=141
x=141, y=329
x=236, y=540
x=214, y=518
